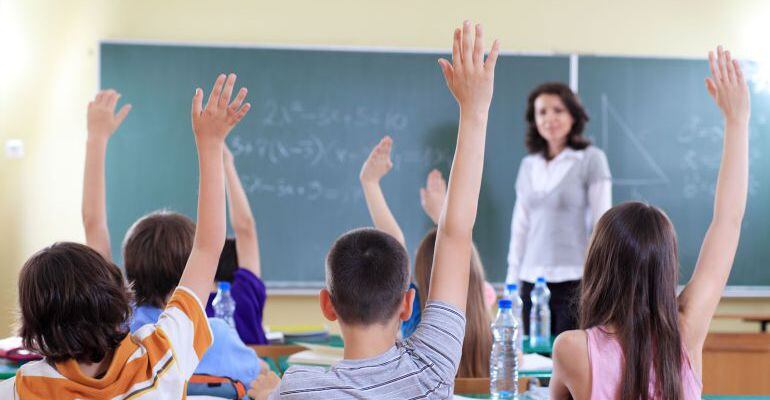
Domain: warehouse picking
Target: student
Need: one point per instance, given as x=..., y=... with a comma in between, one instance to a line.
x=478, y=334
x=75, y=306
x=367, y=273
x=154, y=250
x=239, y=263
x=432, y=200
x=629, y=309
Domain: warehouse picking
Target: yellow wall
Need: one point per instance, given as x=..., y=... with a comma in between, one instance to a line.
x=48, y=60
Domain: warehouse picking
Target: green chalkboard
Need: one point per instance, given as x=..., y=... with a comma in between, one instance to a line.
x=663, y=138
x=316, y=114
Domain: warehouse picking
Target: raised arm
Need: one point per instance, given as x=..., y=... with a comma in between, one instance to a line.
x=211, y=125
x=241, y=219
x=376, y=166
x=102, y=123
x=699, y=299
x=471, y=81
x=433, y=194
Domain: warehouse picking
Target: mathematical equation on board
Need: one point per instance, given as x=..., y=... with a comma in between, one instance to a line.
x=312, y=151
x=274, y=114
x=313, y=190
x=698, y=160
x=699, y=167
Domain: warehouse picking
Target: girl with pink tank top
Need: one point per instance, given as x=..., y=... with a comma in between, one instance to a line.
x=606, y=359
x=630, y=281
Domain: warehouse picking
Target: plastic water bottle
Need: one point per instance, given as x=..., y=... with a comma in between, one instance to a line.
x=512, y=293
x=503, y=362
x=224, y=305
x=540, y=315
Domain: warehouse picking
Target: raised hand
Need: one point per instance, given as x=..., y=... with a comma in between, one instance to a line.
x=433, y=194
x=102, y=120
x=378, y=164
x=728, y=87
x=220, y=115
x=265, y=384
x=228, y=156
x=211, y=125
x=468, y=76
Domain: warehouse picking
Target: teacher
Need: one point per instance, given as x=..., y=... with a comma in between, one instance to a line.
x=562, y=188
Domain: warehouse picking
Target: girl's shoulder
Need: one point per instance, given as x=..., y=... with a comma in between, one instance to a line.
x=570, y=342
x=571, y=362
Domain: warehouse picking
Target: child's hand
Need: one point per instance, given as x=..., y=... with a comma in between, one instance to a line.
x=102, y=120
x=378, y=164
x=264, y=385
x=264, y=368
x=433, y=194
x=728, y=87
x=228, y=156
x=213, y=123
x=469, y=77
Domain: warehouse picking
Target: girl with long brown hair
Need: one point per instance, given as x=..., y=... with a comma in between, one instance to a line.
x=477, y=342
x=638, y=340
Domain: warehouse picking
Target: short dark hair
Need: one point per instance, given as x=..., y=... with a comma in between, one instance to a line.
x=367, y=273
x=228, y=262
x=575, y=139
x=155, y=252
x=74, y=304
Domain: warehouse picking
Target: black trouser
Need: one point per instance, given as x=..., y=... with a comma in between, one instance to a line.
x=563, y=305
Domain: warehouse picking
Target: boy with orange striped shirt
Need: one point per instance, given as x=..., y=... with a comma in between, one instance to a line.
x=75, y=306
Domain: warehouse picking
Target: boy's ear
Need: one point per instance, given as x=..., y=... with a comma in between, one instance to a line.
x=327, y=308
x=406, y=306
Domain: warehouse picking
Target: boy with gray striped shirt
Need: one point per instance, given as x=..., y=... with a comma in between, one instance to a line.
x=367, y=272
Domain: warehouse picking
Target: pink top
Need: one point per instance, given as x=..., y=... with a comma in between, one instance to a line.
x=606, y=357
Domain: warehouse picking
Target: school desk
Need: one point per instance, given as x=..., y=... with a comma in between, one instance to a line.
x=763, y=319
x=736, y=363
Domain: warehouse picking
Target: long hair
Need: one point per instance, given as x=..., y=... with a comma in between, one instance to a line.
x=629, y=284
x=478, y=332
x=575, y=139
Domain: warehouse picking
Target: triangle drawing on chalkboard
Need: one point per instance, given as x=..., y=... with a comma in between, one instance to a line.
x=651, y=173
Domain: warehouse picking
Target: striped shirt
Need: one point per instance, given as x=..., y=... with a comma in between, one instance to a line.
x=152, y=363
x=421, y=367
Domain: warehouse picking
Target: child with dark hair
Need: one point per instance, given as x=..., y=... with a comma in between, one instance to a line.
x=367, y=272
x=155, y=250
x=478, y=333
x=75, y=306
x=637, y=338
x=239, y=263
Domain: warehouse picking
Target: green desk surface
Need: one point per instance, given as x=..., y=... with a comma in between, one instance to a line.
x=7, y=371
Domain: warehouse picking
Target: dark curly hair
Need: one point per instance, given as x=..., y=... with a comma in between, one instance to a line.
x=575, y=139
x=74, y=304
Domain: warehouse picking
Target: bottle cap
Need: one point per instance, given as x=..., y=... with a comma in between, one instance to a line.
x=512, y=287
x=540, y=280
x=504, y=303
x=224, y=285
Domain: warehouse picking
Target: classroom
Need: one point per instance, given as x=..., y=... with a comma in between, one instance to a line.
x=648, y=120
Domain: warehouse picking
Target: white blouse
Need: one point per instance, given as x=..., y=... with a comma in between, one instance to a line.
x=539, y=191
